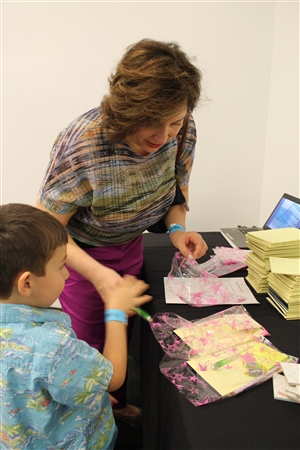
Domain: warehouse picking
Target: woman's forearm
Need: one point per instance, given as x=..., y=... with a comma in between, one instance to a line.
x=81, y=262
x=100, y=276
x=177, y=213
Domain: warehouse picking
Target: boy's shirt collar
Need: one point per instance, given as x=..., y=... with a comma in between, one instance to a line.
x=23, y=313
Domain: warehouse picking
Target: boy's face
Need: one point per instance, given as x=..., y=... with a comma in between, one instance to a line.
x=46, y=289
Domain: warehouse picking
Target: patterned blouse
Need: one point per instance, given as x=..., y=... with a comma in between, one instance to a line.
x=116, y=193
x=53, y=386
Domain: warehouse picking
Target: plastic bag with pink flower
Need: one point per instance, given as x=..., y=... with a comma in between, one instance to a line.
x=197, y=287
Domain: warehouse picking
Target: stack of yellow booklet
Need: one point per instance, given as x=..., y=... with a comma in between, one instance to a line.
x=283, y=243
x=284, y=286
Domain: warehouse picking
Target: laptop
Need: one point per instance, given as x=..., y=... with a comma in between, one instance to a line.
x=286, y=214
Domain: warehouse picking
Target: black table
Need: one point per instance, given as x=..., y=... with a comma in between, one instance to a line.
x=251, y=420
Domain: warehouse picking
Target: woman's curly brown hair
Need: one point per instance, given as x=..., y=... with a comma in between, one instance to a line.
x=151, y=83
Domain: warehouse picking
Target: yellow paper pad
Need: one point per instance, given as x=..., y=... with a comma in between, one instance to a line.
x=229, y=351
x=220, y=334
x=234, y=376
x=280, y=236
x=287, y=266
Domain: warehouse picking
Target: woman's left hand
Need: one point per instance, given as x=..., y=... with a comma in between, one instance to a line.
x=189, y=242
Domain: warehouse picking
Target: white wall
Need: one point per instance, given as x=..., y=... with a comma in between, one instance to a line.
x=281, y=163
x=56, y=58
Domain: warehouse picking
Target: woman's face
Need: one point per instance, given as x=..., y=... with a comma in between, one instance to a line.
x=147, y=140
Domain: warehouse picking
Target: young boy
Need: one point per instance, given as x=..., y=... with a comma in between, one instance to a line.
x=54, y=387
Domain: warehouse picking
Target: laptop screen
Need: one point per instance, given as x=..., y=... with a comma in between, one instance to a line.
x=285, y=215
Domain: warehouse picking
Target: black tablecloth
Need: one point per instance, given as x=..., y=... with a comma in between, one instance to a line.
x=251, y=420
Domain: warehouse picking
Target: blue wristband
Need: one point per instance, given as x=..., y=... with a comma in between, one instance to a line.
x=176, y=227
x=115, y=314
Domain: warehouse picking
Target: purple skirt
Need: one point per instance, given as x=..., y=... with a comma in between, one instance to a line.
x=82, y=302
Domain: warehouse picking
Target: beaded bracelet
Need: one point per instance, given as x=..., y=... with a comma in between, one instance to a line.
x=175, y=227
x=115, y=314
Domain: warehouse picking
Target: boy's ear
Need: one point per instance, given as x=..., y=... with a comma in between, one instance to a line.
x=24, y=283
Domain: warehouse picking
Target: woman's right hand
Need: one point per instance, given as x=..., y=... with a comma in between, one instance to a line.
x=127, y=295
x=103, y=278
x=107, y=280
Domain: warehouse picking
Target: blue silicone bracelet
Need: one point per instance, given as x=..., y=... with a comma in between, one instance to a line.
x=176, y=227
x=115, y=314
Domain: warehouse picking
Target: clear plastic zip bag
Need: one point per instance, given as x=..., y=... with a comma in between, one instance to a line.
x=197, y=287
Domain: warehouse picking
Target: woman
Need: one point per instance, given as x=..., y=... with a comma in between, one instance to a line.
x=112, y=174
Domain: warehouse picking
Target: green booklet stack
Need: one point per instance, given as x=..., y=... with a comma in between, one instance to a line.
x=282, y=243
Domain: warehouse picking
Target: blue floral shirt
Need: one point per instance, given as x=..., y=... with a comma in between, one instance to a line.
x=53, y=386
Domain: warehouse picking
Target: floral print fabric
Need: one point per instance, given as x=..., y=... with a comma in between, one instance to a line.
x=53, y=386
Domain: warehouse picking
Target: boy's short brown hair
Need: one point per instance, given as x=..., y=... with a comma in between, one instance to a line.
x=28, y=239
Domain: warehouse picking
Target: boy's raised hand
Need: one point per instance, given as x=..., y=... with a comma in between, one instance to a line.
x=127, y=295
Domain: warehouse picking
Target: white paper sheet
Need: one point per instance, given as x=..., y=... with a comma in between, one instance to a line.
x=283, y=391
x=292, y=373
x=235, y=285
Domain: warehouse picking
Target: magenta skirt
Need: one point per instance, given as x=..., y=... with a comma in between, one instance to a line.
x=82, y=302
